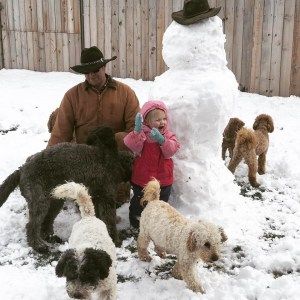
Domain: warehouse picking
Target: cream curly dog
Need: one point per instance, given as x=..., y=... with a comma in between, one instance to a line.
x=249, y=144
x=89, y=264
x=172, y=233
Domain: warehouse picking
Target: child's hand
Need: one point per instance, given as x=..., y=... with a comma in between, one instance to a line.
x=138, y=122
x=157, y=136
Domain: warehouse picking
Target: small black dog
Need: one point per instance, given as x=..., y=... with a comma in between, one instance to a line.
x=98, y=165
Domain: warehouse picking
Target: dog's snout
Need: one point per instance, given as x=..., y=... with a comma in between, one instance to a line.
x=78, y=295
x=214, y=257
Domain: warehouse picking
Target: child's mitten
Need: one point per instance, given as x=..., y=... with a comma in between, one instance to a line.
x=138, y=122
x=157, y=136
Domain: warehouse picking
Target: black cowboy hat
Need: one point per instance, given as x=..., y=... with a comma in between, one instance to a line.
x=91, y=60
x=194, y=11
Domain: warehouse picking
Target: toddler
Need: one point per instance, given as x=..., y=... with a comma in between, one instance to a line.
x=153, y=145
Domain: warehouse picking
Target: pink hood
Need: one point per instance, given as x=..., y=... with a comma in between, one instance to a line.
x=151, y=105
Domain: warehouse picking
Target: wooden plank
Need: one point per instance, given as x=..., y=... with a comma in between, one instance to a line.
x=77, y=16
x=129, y=36
x=152, y=40
x=39, y=16
x=48, y=52
x=287, y=48
x=34, y=55
x=238, y=39
x=23, y=50
x=23, y=35
x=27, y=15
x=295, y=86
x=160, y=27
x=51, y=16
x=34, y=21
x=247, y=45
x=122, y=39
x=107, y=34
x=266, y=48
x=29, y=50
x=93, y=23
x=221, y=14
x=137, y=37
x=2, y=10
x=86, y=24
x=114, y=37
x=4, y=45
x=64, y=15
x=257, y=40
x=17, y=37
x=6, y=49
x=59, y=51
x=70, y=10
x=229, y=31
x=72, y=50
x=41, y=51
x=168, y=12
x=276, y=47
x=65, y=51
x=77, y=41
x=23, y=24
x=145, y=40
x=58, y=13
x=100, y=24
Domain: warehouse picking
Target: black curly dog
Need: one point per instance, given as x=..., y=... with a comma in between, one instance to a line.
x=98, y=165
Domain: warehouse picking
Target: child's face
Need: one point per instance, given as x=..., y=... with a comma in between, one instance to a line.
x=157, y=119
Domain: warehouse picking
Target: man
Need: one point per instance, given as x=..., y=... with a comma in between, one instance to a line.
x=99, y=100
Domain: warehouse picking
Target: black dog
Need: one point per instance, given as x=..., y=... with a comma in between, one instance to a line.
x=98, y=165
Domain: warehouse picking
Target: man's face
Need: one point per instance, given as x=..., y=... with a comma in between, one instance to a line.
x=96, y=78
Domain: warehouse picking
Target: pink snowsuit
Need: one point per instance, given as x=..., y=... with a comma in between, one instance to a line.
x=152, y=159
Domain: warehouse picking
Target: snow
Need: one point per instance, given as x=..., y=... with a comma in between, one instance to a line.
x=260, y=260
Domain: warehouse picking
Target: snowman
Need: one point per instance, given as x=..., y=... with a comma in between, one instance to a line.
x=200, y=93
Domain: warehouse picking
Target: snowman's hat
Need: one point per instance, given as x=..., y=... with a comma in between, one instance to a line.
x=194, y=11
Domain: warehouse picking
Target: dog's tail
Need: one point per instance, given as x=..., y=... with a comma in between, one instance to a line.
x=8, y=185
x=151, y=192
x=77, y=192
x=245, y=140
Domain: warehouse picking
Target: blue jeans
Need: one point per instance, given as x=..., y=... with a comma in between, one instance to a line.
x=135, y=208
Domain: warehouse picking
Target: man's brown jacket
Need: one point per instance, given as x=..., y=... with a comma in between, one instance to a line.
x=83, y=108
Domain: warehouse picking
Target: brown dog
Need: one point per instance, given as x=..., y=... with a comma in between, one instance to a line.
x=249, y=144
x=229, y=135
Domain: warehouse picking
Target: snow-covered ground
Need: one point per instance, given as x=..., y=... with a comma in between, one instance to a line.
x=261, y=259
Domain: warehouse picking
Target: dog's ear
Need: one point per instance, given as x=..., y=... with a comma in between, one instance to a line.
x=103, y=136
x=223, y=235
x=256, y=123
x=191, y=243
x=67, y=265
x=96, y=265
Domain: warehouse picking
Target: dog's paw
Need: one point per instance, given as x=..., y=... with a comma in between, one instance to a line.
x=160, y=251
x=53, y=239
x=40, y=245
x=261, y=172
x=145, y=257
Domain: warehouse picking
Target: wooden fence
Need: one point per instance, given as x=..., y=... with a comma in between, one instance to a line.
x=262, y=37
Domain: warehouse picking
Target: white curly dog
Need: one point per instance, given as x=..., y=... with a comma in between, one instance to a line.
x=89, y=264
x=172, y=233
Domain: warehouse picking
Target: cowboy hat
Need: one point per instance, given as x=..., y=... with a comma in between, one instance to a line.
x=91, y=60
x=194, y=11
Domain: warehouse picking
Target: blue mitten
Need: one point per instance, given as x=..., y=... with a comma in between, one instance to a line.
x=157, y=136
x=138, y=122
